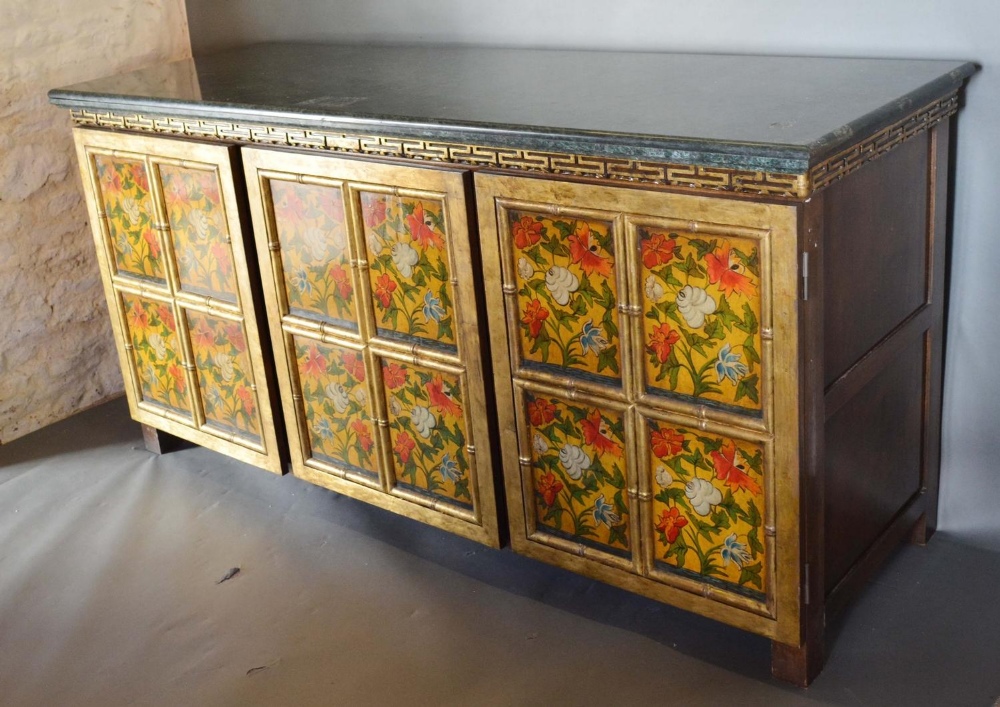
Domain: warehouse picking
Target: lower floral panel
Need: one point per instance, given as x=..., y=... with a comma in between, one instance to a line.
x=428, y=433
x=156, y=352
x=578, y=472
x=225, y=378
x=708, y=506
x=336, y=405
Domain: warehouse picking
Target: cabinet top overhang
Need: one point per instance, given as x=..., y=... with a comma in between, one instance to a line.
x=768, y=113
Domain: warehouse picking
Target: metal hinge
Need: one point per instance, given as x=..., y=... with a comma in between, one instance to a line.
x=805, y=275
x=805, y=582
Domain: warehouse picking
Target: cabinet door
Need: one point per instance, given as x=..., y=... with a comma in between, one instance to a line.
x=369, y=274
x=645, y=353
x=178, y=283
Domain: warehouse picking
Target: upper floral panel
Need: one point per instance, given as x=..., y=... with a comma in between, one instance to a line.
x=701, y=304
x=564, y=270
x=152, y=330
x=409, y=266
x=578, y=472
x=708, y=506
x=315, y=254
x=128, y=206
x=199, y=231
x=225, y=379
x=336, y=405
x=427, y=428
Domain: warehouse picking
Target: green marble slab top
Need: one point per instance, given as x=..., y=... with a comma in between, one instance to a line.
x=776, y=114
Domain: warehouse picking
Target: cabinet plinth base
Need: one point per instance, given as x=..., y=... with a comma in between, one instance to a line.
x=160, y=442
x=798, y=665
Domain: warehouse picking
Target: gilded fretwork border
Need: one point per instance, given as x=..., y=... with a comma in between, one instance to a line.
x=713, y=179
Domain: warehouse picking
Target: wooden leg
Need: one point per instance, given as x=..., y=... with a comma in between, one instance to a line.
x=160, y=442
x=798, y=665
x=922, y=531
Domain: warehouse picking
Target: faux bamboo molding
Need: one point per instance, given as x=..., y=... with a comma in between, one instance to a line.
x=708, y=179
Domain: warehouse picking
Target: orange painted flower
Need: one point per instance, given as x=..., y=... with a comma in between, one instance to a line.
x=355, y=365
x=593, y=427
x=670, y=523
x=666, y=443
x=314, y=363
x=404, y=447
x=153, y=242
x=384, y=287
x=534, y=317
x=440, y=399
x=527, y=232
x=372, y=209
x=541, y=412
x=167, y=317
x=220, y=251
x=177, y=373
x=139, y=177
x=393, y=375
x=342, y=280
x=585, y=251
x=418, y=224
x=364, y=433
x=246, y=397
x=332, y=207
x=548, y=487
x=726, y=270
x=138, y=319
x=203, y=334
x=210, y=187
x=662, y=340
x=289, y=204
x=657, y=250
x=111, y=181
x=234, y=333
x=730, y=472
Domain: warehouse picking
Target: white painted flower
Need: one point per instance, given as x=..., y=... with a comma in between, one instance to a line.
x=702, y=495
x=361, y=396
x=525, y=269
x=663, y=477
x=199, y=223
x=338, y=396
x=561, y=283
x=375, y=242
x=694, y=304
x=539, y=444
x=338, y=239
x=404, y=257
x=574, y=460
x=654, y=289
x=395, y=408
x=422, y=420
x=131, y=208
x=224, y=362
x=158, y=345
x=317, y=244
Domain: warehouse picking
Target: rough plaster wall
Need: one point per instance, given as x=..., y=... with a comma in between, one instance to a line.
x=56, y=351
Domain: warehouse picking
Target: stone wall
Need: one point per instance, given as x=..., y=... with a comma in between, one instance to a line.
x=56, y=351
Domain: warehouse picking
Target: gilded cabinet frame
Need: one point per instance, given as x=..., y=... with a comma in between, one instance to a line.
x=770, y=425
x=362, y=328
x=178, y=302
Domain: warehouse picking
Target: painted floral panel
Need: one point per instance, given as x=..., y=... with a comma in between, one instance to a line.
x=409, y=266
x=701, y=323
x=199, y=231
x=427, y=429
x=315, y=251
x=224, y=374
x=128, y=205
x=578, y=472
x=566, y=291
x=159, y=364
x=708, y=506
x=336, y=404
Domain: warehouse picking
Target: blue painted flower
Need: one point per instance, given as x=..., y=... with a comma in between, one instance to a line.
x=432, y=307
x=592, y=338
x=124, y=247
x=449, y=469
x=729, y=365
x=604, y=514
x=733, y=551
x=300, y=280
x=323, y=429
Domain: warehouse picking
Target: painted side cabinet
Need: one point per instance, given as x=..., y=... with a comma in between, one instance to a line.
x=686, y=342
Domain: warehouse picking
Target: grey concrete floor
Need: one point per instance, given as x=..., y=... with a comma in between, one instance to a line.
x=110, y=559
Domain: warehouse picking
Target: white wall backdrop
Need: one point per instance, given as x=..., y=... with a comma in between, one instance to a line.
x=955, y=29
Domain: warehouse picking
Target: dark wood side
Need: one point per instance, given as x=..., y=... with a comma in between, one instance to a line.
x=799, y=664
